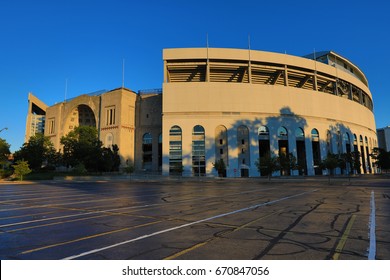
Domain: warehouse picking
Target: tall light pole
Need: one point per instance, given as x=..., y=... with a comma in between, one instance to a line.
x=5, y=128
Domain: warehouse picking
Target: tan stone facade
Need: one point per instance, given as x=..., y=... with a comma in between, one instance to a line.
x=115, y=114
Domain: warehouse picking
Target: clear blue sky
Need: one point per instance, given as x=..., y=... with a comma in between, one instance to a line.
x=44, y=43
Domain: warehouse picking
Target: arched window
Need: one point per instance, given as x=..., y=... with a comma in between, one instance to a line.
x=263, y=132
x=282, y=132
x=147, y=149
x=299, y=134
x=175, y=150
x=198, y=151
x=315, y=136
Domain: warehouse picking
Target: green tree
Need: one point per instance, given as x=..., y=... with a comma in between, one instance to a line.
x=82, y=145
x=355, y=161
x=220, y=166
x=331, y=162
x=4, y=163
x=21, y=168
x=268, y=164
x=38, y=151
x=4, y=150
x=381, y=158
x=288, y=162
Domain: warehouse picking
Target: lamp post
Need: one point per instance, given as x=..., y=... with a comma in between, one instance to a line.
x=5, y=128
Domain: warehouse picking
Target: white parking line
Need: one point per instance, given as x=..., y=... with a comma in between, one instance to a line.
x=372, y=248
x=90, y=212
x=186, y=225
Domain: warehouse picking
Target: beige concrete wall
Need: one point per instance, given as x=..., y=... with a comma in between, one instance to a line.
x=211, y=104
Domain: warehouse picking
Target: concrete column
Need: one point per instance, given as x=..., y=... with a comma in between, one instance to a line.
x=309, y=155
x=233, y=169
x=292, y=147
x=187, y=151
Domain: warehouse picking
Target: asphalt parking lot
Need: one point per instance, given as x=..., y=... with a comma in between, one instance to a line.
x=196, y=219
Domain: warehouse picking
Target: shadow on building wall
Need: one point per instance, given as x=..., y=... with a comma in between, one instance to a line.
x=242, y=143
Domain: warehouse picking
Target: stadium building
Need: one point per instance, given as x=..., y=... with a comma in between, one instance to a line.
x=231, y=104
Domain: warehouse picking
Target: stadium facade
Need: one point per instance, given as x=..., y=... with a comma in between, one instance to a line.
x=231, y=104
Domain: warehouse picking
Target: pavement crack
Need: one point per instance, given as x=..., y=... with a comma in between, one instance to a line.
x=282, y=234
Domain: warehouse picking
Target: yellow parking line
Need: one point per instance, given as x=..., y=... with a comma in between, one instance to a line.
x=343, y=239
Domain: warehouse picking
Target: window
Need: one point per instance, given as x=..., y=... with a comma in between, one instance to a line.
x=282, y=132
x=198, y=151
x=110, y=115
x=299, y=134
x=52, y=126
x=175, y=150
x=263, y=130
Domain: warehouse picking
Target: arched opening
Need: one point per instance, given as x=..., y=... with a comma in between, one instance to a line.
x=221, y=147
x=264, y=147
x=147, y=151
x=301, y=151
x=283, y=151
x=243, y=152
x=82, y=115
x=175, y=151
x=315, y=143
x=198, y=151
